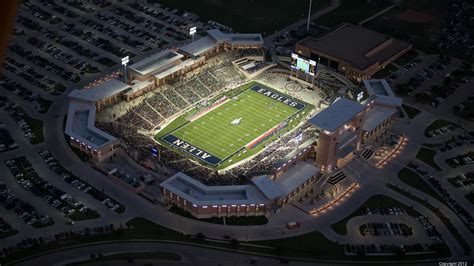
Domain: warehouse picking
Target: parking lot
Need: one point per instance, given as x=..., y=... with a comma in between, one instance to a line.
x=60, y=45
x=438, y=83
x=79, y=184
x=27, y=177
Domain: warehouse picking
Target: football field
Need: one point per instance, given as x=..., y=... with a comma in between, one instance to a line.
x=225, y=130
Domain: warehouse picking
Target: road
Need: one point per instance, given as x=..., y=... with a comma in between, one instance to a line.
x=190, y=255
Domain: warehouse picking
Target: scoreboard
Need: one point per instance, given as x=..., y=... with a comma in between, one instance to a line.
x=303, y=64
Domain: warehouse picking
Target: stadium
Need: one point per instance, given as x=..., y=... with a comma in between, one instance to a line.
x=234, y=132
x=245, y=118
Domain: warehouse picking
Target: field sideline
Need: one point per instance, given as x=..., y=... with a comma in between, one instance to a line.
x=226, y=130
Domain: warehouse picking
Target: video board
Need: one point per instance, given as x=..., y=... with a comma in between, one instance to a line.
x=302, y=64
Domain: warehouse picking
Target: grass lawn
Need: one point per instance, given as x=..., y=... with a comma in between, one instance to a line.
x=44, y=105
x=412, y=179
x=39, y=225
x=219, y=137
x=470, y=197
x=36, y=127
x=80, y=216
x=353, y=11
x=5, y=234
x=262, y=16
x=411, y=111
x=376, y=201
x=440, y=123
x=233, y=220
x=126, y=256
x=427, y=155
x=312, y=245
x=436, y=211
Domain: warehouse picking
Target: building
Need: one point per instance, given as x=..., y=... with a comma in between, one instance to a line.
x=207, y=201
x=84, y=135
x=102, y=95
x=340, y=132
x=355, y=51
x=168, y=64
x=265, y=193
x=146, y=68
x=217, y=41
x=382, y=106
x=346, y=124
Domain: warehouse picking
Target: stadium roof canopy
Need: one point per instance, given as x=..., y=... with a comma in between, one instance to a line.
x=382, y=92
x=287, y=182
x=336, y=115
x=102, y=91
x=199, y=194
x=375, y=116
x=155, y=62
x=268, y=187
x=80, y=126
x=199, y=46
x=184, y=64
x=215, y=37
x=357, y=46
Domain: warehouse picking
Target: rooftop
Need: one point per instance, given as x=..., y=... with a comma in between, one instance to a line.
x=155, y=62
x=365, y=48
x=200, y=194
x=382, y=91
x=286, y=182
x=216, y=37
x=80, y=125
x=199, y=46
x=336, y=115
x=102, y=91
x=376, y=116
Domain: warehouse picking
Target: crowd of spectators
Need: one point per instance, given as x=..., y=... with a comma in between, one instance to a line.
x=187, y=91
x=173, y=98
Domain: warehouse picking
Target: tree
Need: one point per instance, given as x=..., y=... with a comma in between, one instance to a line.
x=200, y=236
x=234, y=242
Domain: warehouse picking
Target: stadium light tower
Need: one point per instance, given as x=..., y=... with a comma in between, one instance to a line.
x=309, y=15
x=125, y=61
x=192, y=31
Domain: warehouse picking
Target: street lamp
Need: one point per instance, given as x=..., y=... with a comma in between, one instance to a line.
x=125, y=61
x=192, y=31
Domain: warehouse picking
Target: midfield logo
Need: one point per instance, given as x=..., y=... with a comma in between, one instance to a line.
x=236, y=121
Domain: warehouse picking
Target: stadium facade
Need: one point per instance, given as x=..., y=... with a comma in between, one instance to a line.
x=339, y=130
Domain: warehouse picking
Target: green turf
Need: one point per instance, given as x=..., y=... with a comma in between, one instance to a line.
x=215, y=134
